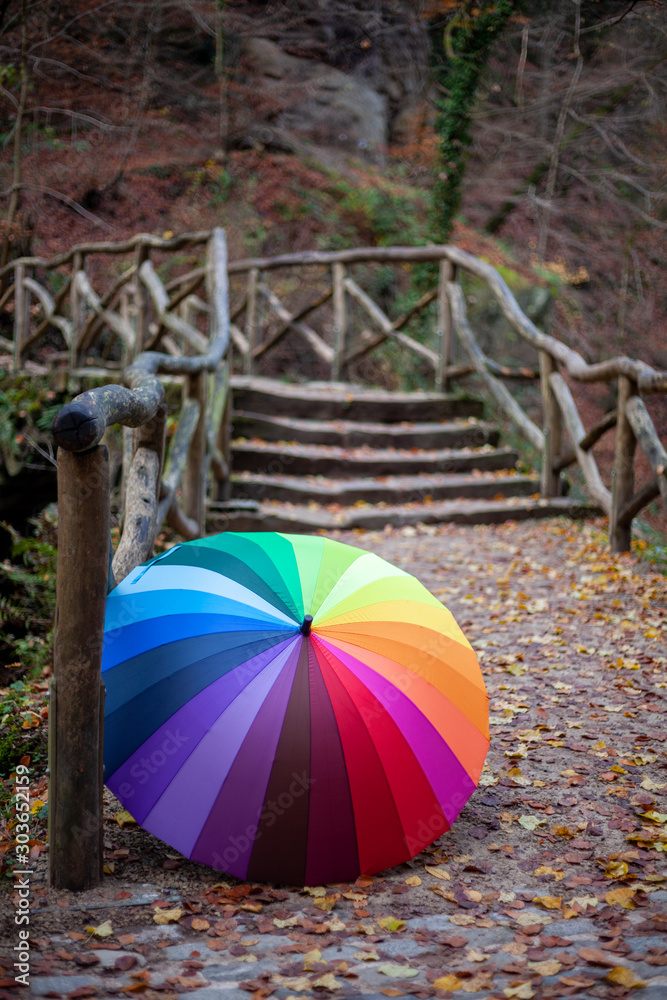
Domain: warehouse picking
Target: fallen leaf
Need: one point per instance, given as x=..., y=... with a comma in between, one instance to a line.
x=390, y=923
x=326, y=903
x=549, y=902
x=476, y=956
x=438, y=872
x=297, y=983
x=103, y=931
x=124, y=818
x=168, y=916
x=397, y=971
x=531, y=822
x=413, y=880
x=616, y=869
x=327, y=982
x=623, y=977
x=524, y=991
x=547, y=968
x=449, y=982
x=623, y=896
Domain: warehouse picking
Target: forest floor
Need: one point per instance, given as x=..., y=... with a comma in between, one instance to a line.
x=552, y=882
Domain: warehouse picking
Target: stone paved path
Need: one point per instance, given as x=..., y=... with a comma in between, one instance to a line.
x=553, y=881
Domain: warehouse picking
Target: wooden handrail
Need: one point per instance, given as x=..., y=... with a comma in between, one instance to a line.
x=77, y=691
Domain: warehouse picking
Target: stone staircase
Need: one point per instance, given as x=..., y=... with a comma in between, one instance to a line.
x=331, y=455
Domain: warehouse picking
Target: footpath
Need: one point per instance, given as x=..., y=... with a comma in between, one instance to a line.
x=552, y=882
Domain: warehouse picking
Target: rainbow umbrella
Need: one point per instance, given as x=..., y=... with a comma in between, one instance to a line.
x=287, y=708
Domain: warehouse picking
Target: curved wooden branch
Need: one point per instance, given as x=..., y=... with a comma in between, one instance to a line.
x=504, y=398
x=136, y=544
x=167, y=319
x=49, y=307
x=573, y=362
x=388, y=328
x=81, y=424
x=125, y=246
x=637, y=503
x=112, y=319
x=647, y=436
x=320, y=347
x=577, y=433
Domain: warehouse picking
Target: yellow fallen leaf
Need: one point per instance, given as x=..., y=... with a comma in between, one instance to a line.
x=623, y=896
x=616, y=869
x=649, y=785
x=103, y=931
x=297, y=983
x=531, y=822
x=315, y=890
x=550, y=967
x=524, y=991
x=623, y=977
x=288, y=922
x=391, y=923
x=438, y=872
x=655, y=817
x=413, y=880
x=549, y=902
x=326, y=903
x=548, y=870
x=476, y=956
x=451, y=983
x=366, y=956
x=123, y=818
x=315, y=955
x=168, y=916
x=336, y=924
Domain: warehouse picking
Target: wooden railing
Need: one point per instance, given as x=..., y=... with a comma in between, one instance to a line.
x=144, y=331
x=87, y=566
x=336, y=324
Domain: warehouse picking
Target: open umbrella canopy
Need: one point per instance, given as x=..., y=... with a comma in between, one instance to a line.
x=287, y=708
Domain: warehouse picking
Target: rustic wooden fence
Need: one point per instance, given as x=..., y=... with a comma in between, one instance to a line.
x=147, y=331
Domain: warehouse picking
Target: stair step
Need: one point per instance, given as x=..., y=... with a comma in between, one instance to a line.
x=392, y=489
x=282, y=458
x=353, y=434
x=299, y=518
x=344, y=401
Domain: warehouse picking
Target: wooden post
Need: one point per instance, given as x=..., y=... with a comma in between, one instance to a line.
x=142, y=300
x=553, y=429
x=77, y=309
x=21, y=315
x=445, y=328
x=623, y=484
x=339, y=320
x=194, y=481
x=75, y=792
x=251, y=328
x=223, y=441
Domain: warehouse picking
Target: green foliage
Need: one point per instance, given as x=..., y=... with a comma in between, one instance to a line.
x=16, y=741
x=381, y=215
x=27, y=604
x=27, y=408
x=467, y=41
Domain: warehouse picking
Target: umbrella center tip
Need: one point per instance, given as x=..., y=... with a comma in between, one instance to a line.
x=306, y=625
